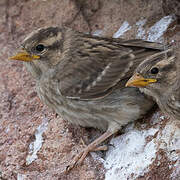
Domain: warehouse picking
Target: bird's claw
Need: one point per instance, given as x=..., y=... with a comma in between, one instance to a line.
x=76, y=161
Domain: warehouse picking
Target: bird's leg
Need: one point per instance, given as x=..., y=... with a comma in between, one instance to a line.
x=99, y=148
x=79, y=158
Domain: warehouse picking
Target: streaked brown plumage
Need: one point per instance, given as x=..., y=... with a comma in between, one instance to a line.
x=164, y=69
x=82, y=78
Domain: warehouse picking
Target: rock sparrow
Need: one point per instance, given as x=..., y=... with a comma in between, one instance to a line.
x=158, y=76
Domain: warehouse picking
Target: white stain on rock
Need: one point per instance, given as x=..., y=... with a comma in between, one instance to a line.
x=97, y=32
x=155, y=32
x=35, y=146
x=130, y=154
x=124, y=28
x=170, y=140
x=141, y=31
x=158, y=29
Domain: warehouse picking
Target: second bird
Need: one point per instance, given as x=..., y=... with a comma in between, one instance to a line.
x=158, y=76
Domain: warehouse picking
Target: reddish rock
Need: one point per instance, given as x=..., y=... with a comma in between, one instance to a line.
x=31, y=132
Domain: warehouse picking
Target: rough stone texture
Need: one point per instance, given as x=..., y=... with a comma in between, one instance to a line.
x=24, y=120
x=171, y=7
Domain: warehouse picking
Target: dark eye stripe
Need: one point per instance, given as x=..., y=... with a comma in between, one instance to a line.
x=167, y=67
x=56, y=45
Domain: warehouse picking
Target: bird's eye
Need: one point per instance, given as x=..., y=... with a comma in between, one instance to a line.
x=40, y=47
x=154, y=70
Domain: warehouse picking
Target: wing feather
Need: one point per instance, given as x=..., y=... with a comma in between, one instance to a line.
x=93, y=72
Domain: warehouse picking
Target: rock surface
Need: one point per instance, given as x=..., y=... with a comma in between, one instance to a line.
x=35, y=143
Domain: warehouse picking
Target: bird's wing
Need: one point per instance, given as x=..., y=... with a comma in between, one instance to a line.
x=144, y=44
x=92, y=72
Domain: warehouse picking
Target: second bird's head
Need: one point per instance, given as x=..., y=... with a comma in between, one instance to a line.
x=156, y=75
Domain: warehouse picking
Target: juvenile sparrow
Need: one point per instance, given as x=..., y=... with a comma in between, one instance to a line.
x=158, y=76
x=82, y=77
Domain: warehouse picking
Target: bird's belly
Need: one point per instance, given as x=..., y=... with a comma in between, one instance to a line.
x=112, y=111
x=84, y=116
x=76, y=112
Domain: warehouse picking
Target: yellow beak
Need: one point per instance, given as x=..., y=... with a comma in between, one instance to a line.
x=139, y=81
x=24, y=56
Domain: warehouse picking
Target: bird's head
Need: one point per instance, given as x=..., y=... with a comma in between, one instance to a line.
x=155, y=75
x=41, y=49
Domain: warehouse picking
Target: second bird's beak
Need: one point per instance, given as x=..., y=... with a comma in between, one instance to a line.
x=24, y=56
x=139, y=81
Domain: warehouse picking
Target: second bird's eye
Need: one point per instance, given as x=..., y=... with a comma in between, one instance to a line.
x=40, y=47
x=154, y=70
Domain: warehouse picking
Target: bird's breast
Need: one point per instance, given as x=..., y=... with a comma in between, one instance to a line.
x=78, y=112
